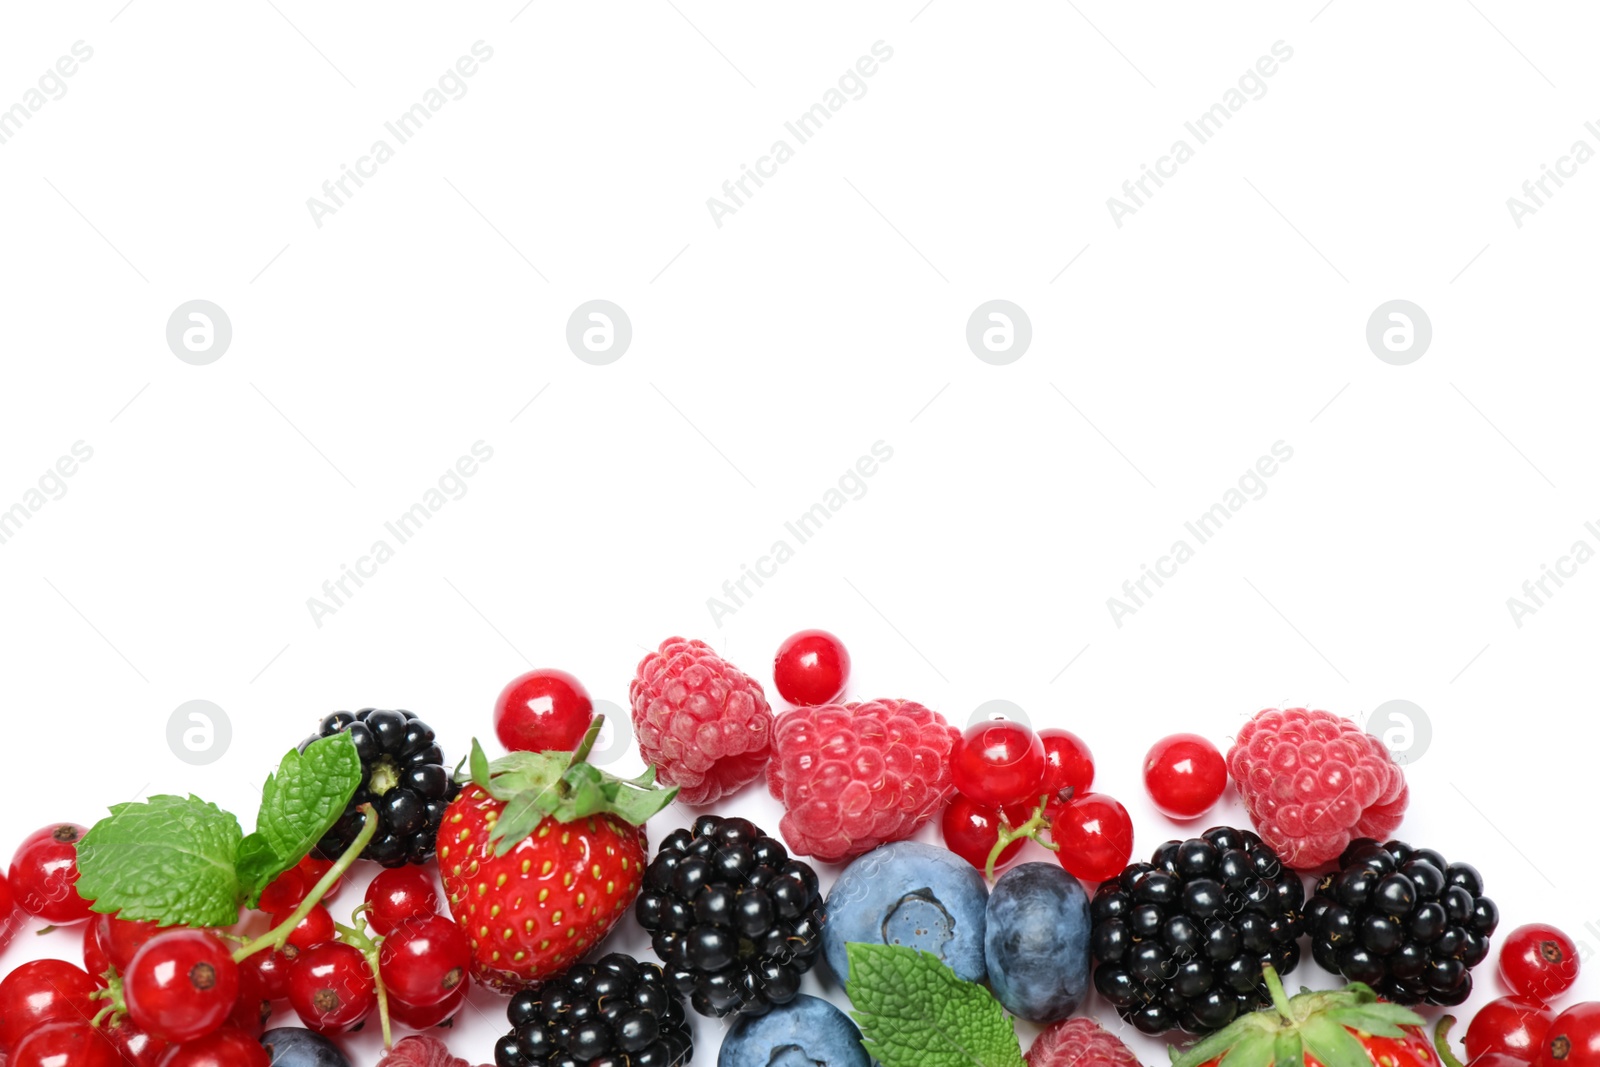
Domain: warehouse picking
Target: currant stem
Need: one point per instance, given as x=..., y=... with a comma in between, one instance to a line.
x=278, y=936
x=1009, y=836
x=357, y=938
x=1441, y=1041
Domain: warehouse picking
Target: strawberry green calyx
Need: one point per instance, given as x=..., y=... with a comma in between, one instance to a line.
x=535, y=786
x=1314, y=1023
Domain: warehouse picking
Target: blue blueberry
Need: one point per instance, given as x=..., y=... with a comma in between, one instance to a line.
x=290, y=1046
x=910, y=894
x=1036, y=944
x=805, y=1032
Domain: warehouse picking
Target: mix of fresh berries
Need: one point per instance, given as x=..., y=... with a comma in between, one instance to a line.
x=735, y=921
x=855, y=776
x=615, y=1012
x=403, y=776
x=1181, y=941
x=1313, y=782
x=1402, y=920
x=540, y=854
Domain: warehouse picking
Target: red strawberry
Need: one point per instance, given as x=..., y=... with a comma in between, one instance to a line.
x=540, y=856
x=1341, y=1028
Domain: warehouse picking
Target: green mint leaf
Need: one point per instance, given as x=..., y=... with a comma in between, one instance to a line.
x=169, y=860
x=256, y=865
x=300, y=803
x=914, y=1012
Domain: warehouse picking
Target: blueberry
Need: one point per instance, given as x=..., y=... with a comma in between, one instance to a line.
x=290, y=1046
x=908, y=893
x=806, y=1032
x=1036, y=941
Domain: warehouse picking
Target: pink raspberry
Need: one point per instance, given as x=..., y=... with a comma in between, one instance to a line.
x=1313, y=782
x=421, y=1050
x=855, y=776
x=704, y=723
x=1080, y=1042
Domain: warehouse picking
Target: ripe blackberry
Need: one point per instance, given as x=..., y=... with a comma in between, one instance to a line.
x=614, y=1012
x=733, y=918
x=1402, y=920
x=403, y=776
x=1180, y=941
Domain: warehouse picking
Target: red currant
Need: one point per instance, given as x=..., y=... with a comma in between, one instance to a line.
x=331, y=988
x=123, y=938
x=1573, y=1039
x=999, y=763
x=312, y=868
x=44, y=874
x=66, y=1044
x=1068, y=764
x=44, y=991
x=1184, y=775
x=424, y=960
x=1095, y=837
x=227, y=1047
x=252, y=1007
x=181, y=985
x=272, y=971
x=543, y=711
x=433, y=1014
x=1512, y=1025
x=11, y=917
x=314, y=929
x=400, y=893
x=138, y=1048
x=285, y=892
x=95, y=960
x=971, y=830
x=811, y=668
x=1538, y=961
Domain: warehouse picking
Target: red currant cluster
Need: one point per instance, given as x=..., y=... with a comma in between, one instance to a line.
x=1538, y=964
x=148, y=996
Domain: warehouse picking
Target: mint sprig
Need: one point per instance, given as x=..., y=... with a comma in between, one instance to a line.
x=181, y=861
x=916, y=1012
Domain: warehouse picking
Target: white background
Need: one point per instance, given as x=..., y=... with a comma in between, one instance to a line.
x=768, y=354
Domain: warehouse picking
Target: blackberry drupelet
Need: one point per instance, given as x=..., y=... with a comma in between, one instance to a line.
x=733, y=918
x=403, y=776
x=616, y=1012
x=1403, y=920
x=1180, y=942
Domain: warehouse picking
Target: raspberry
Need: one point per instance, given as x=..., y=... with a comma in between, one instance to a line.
x=1313, y=782
x=1080, y=1042
x=855, y=776
x=704, y=723
x=421, y=1050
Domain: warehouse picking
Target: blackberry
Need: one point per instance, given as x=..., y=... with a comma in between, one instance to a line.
x=403, y=776
x=733, y=918
x=616, y=1012
x=1403, y=920
x=1180, y=942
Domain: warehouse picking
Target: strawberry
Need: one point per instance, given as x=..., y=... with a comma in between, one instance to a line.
x=1349, y=1027
x=540, y=855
